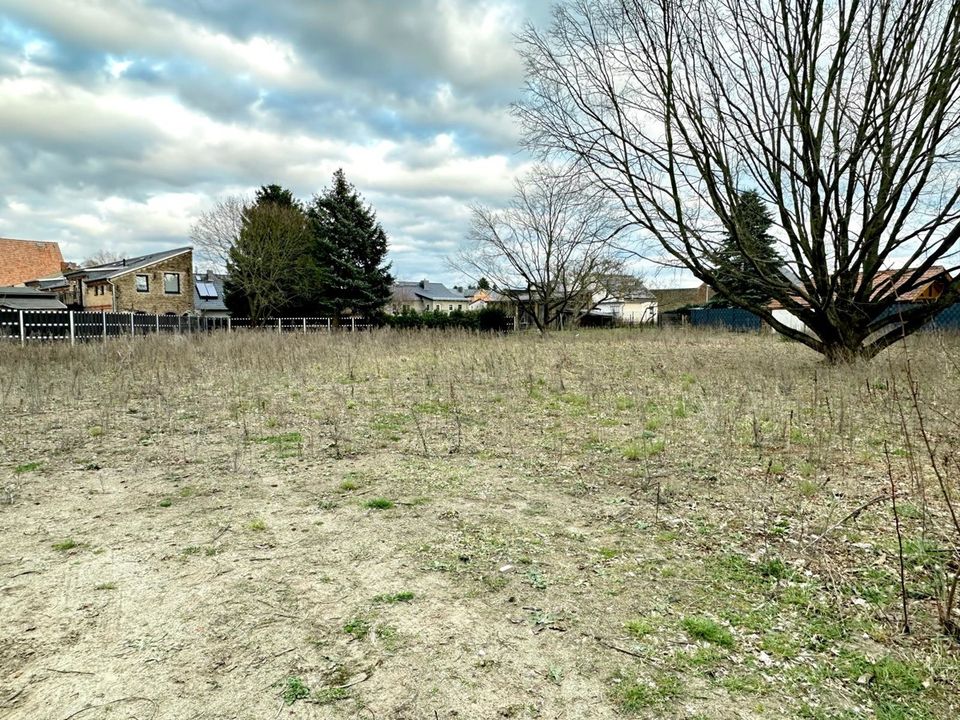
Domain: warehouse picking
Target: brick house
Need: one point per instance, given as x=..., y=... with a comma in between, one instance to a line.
x=25, y=260
x=160, y=284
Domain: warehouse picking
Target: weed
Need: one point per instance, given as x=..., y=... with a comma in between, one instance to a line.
x=64, y=545
x=106, y=586
x=294, y=689
x=166, y=502
x=379, y=504
x=358, y=627
x=257, y=525
x=27, y=467
x=326, y=696
x=400, y=597
x=348, y=485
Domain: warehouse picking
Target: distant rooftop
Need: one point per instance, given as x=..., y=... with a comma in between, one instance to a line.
x=427, y=290
x=119, y=267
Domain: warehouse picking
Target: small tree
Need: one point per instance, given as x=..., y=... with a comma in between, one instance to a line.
x=348, y=249
x=748, y=254
x=269, y=265
x=548, y=249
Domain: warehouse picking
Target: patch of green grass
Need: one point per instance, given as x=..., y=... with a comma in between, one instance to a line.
x=608, y=553
x=773, y=568
x=400, y=597
x=703, y=628
x=106, y=586
x=96, y=431
x=642, y=450
x=638, y=628
x=294, y=689
x=625, y=403
x=358, y=627
x=64, y=545
x=638, y=696
x=257, y=525
x=192, y=550
x=379, y=504
x=166, y=502
x=27, y=467
x=348, y=485
x=388, y=637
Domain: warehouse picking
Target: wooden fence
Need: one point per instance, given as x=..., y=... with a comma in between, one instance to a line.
x=71, y=326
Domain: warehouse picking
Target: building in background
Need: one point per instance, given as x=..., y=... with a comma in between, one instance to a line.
x=424, y=296
x=22, y=261
x=160, y=283
x=208, y=298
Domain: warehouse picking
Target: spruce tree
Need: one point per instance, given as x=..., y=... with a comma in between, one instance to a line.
x=349, y=252
x=750, y=248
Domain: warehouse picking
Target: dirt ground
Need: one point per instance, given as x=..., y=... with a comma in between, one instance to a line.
x=595, y=525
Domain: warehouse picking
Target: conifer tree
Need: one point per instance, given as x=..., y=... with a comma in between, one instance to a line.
x=748, y=258
x=349, y=249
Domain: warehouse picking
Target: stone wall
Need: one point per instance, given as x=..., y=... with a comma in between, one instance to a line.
x=156, y=301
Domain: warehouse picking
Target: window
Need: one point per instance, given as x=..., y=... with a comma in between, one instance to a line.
x=451, y=308
x=171, y=283
x=143, y=283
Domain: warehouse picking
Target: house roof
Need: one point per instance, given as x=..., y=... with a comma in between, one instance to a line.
x=208, y=292
x=22, y=260
x=626, y=287
x=933, y=274
x=427, y=290
x=24, y=298
x=110, y=270
x=669, y=299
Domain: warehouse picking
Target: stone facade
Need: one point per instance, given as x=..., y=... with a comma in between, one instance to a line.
x=155, y=300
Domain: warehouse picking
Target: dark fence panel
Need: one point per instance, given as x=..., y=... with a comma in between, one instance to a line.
x=726, y=318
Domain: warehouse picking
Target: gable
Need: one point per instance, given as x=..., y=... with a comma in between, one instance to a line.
x=23, y=260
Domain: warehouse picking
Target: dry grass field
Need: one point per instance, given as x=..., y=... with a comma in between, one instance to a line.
x=604, y=524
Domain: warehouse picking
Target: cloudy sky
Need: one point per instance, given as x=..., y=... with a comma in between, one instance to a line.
x=122, y=120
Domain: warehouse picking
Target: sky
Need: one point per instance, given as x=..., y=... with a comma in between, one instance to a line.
x=121, y=121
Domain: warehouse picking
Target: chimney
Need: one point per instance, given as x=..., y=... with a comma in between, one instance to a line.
x=423, y=283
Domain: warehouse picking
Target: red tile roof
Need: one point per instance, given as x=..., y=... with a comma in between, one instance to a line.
x=23, y=260
x=927, y=281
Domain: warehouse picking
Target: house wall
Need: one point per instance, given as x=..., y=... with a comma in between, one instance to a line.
x=790, y=320
x=639, y=311
x=97, y=303
x=446, y=305
x=156, y=301
x=23, y=260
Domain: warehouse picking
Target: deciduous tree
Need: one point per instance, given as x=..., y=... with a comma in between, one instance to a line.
x=843, y=115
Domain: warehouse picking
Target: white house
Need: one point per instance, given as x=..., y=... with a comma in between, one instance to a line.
x=625, y=300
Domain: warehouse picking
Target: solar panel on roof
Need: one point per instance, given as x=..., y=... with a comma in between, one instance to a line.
x=207, y=290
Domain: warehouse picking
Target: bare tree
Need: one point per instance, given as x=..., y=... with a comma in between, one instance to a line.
x=216, y=231
x=842, y=114
x=102, y=257
x=548, y=250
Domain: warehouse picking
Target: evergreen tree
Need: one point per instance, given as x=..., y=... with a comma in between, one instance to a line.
x=348, y=253
x=743, y=252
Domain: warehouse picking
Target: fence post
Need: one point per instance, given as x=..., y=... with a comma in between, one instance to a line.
x=156, y=319
x=131, y=324
x=304, y=326
x=73, y=334
x=103, y=316
x=328, y=324
x=23, y=335
x=353, y=324
x=279, y=328
x=229, y=324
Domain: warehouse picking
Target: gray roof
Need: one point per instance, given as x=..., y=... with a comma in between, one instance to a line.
x=428, y=290
x=208, y=304
x=24, y=298
x=120, y=267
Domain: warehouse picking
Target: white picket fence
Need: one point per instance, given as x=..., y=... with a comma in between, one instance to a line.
x=73, y=326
